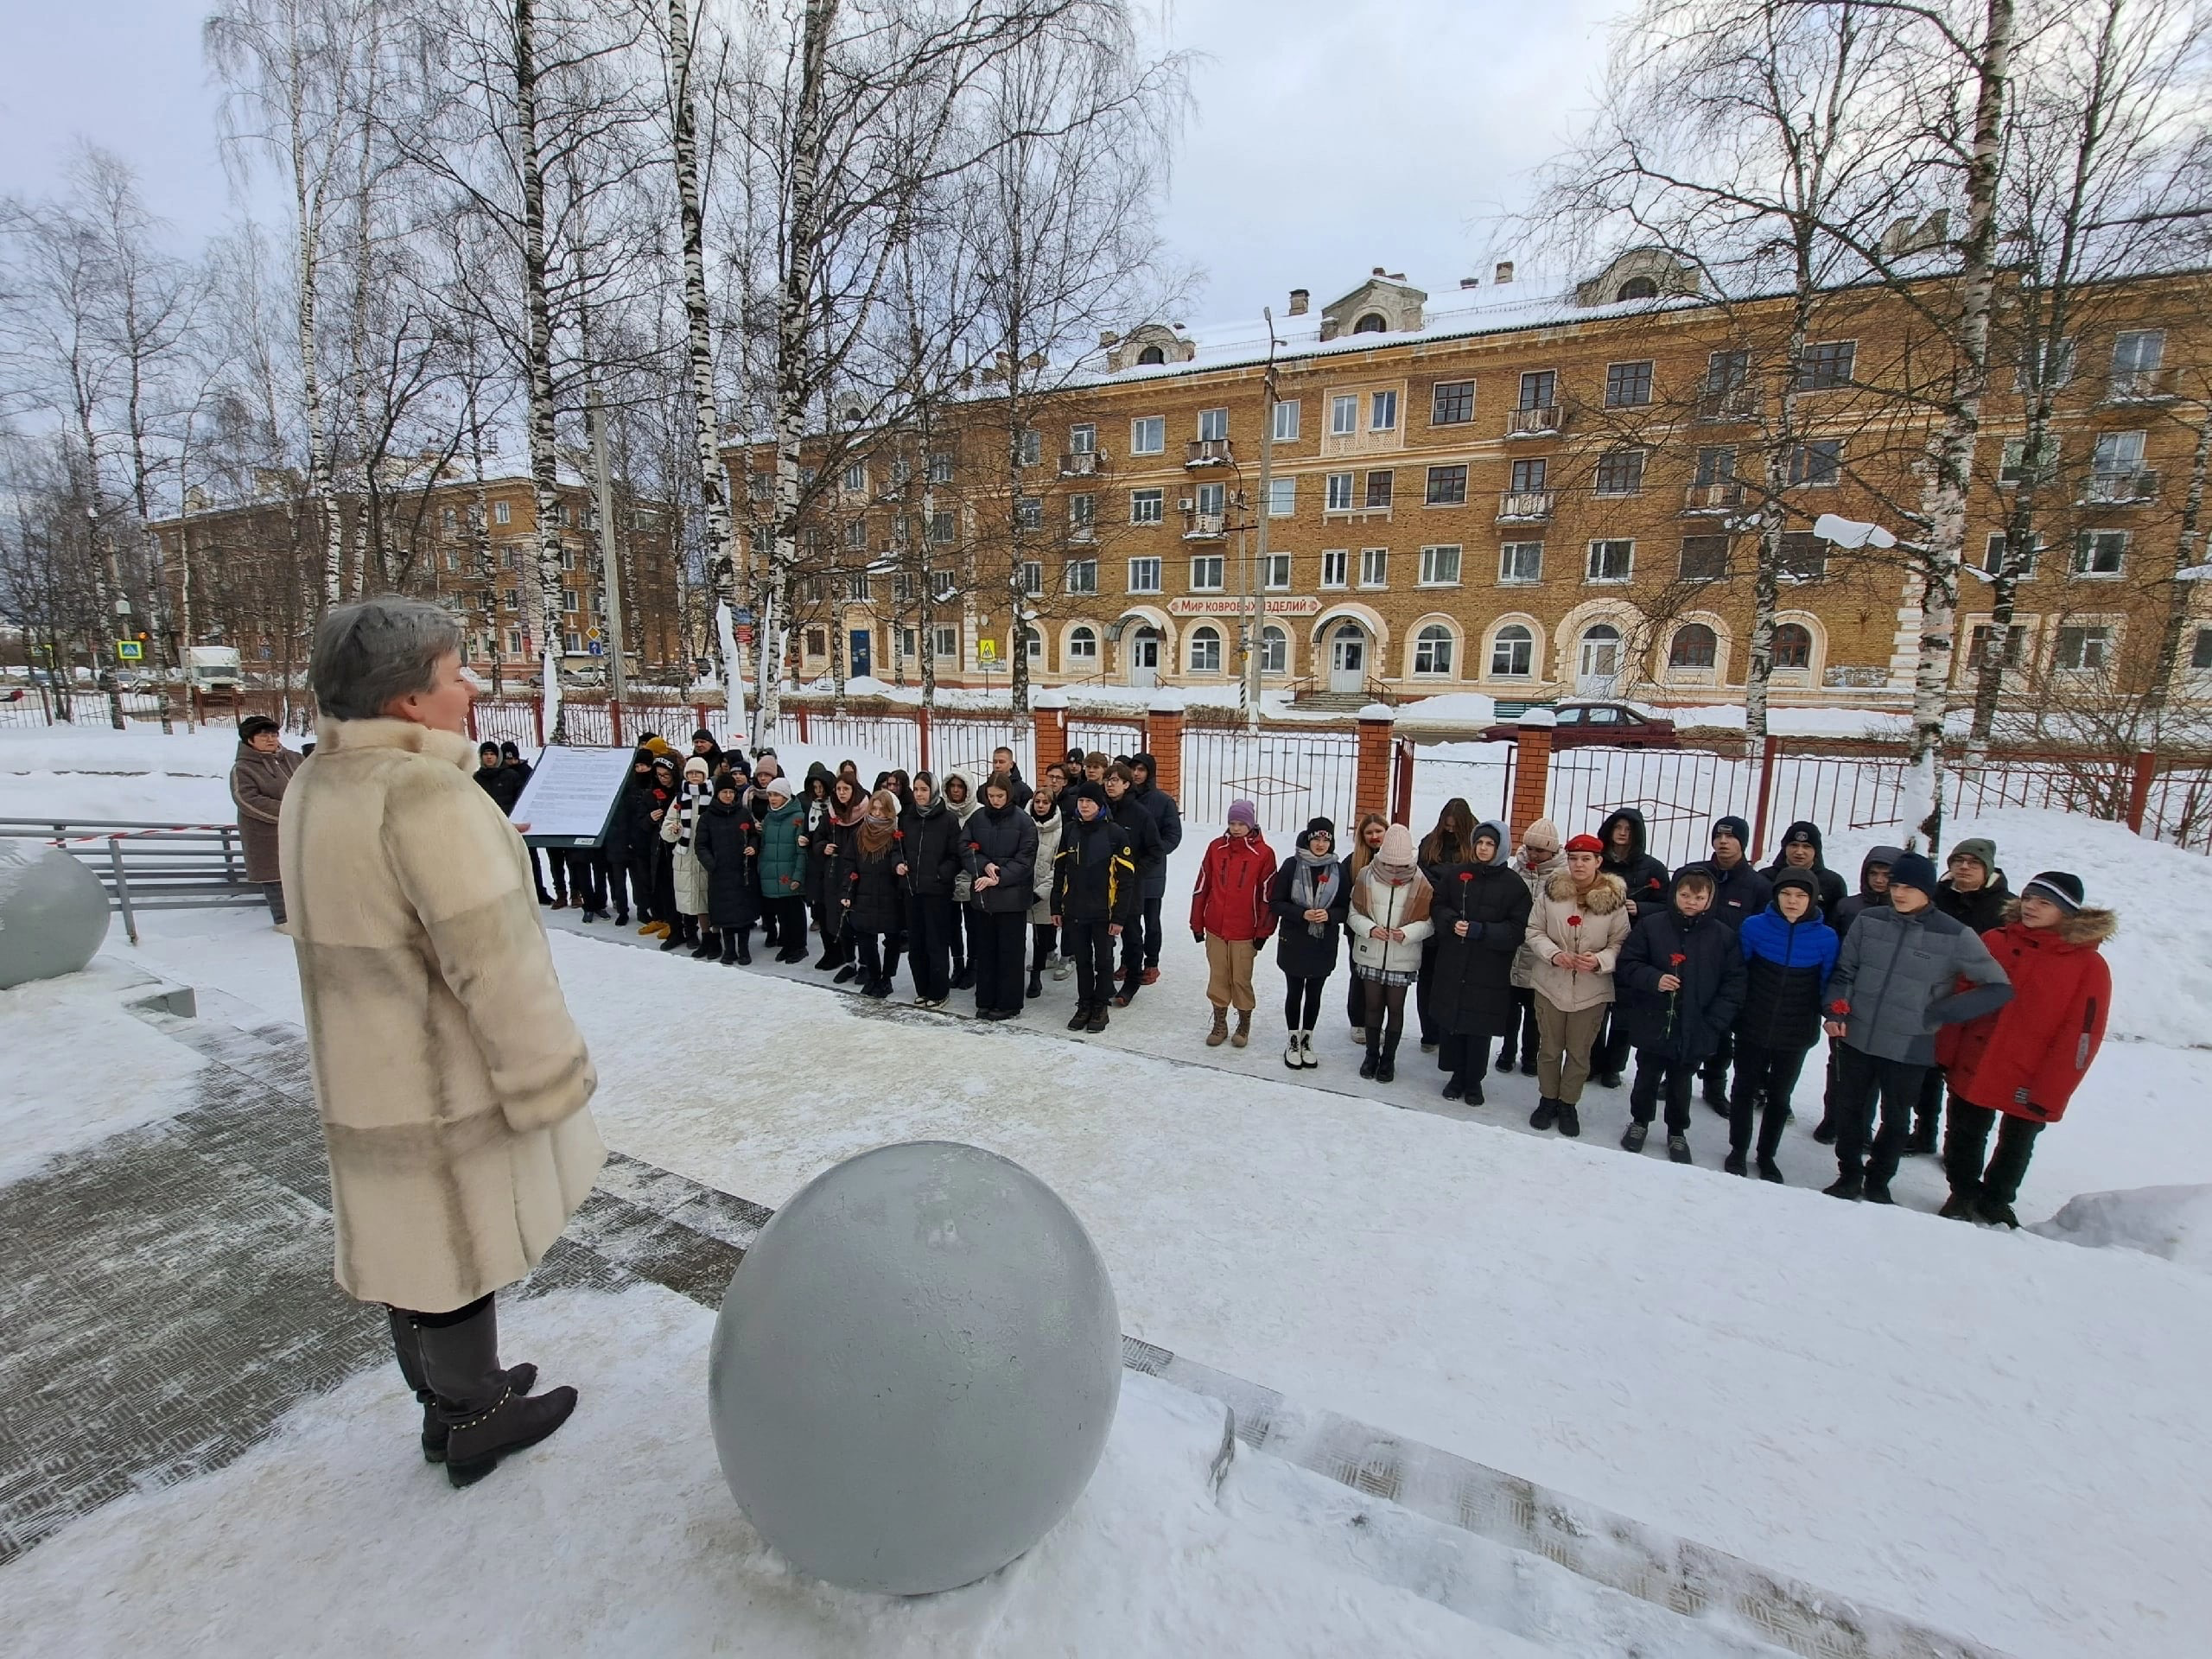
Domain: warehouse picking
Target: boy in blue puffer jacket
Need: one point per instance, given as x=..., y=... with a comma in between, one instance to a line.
x=1788, y=953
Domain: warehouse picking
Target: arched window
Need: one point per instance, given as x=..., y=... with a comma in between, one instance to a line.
x=1373, y=323
x=1432, y=650
x=1792, y=647
x=1150, y=355
x=1033, y=643
x=1206, y=650
x=1513, y=653
x=1638, y=288
x=1274, y=651
x=1083, y=645
x=1695, y=646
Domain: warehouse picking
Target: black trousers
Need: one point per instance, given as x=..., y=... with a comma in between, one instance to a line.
x=1715, y=1069
x=1966, y=1137
x=272, y=894
x=929, y=942
x=1765, y=1078
x=996, y=936
x=1609, y=1054
x=1522, y=1032
x=586, y=876
x=1424, y=1014
x=790, y=912
x=869, y=948
x=537, y=875
x=1044, y=939
x=1657, y=1072
x=1152, y=935
x=1928, y=1107
x=1090, y=947
x=1355, y=993
x=617, y=881
x=1863, y=1082
x=1301, y=1001
x=1467, y=1058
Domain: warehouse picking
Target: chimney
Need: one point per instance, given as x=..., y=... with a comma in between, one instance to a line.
x=1471, y=281
x=1108, y=338
x=1397, y=275
x=1298, y=299
x=1378, y=271
x=1504, y=272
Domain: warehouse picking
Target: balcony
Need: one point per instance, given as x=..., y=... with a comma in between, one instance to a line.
x=2139, y=386
x=1725, y=495
x=1731, y=403
x=1525, y=506
x=2120, y=489
x=1205, y=526
x=1082, y=533
x=1079, y=463
x=1539, y=421
x=1208, y=452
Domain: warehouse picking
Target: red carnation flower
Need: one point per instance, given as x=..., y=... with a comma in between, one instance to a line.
x=1678, y=959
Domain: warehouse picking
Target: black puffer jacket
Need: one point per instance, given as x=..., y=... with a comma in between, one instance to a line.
x=726, y=846
x=1166, y=824
x=1644, y=876
x=1094, y=875
x=1686, y=1024
x=814, y=827
x=1737, y=892
x=1833, y=891
x=1298, y=953
x=1143, y=827
x=1005, y=837
x=1472, y=988
x=870, y=882
x=931, y=837
x=503, y=784
x=1848, y=912
x=622, y=827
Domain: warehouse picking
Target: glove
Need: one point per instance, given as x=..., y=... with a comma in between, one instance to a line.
x=1197, y=936
x=1474, y=931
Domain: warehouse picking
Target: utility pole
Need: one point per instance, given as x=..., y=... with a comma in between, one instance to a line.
x=617, y=686
x=1256, y=635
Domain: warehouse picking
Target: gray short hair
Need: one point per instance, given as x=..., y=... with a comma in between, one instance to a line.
x=367, y=653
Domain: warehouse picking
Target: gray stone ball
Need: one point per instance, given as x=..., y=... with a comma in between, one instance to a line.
x=53, y=912
x=915, y=1369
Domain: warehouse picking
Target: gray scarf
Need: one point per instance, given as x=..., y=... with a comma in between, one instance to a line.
x=1314, y=885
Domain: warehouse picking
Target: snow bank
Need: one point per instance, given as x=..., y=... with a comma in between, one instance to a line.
x=97, y=772
x=1451, y=709
x=2173, y=1222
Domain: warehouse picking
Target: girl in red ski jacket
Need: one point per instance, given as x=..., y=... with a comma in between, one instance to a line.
x=2024, y=1062
x=1230, y=916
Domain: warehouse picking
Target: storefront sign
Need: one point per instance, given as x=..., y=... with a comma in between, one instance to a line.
x=1227, y=604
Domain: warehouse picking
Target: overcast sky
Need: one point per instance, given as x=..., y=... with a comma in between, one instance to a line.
x=1329, y=136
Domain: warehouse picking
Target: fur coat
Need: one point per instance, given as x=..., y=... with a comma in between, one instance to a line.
x=451, y=1080
x=1596, y=925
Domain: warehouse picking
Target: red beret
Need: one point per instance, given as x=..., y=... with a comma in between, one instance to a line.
x=1585, y=844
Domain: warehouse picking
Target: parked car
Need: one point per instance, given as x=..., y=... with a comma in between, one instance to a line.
x=1614, y=725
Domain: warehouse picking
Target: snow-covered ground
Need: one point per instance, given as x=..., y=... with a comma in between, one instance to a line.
x=1997, y=1433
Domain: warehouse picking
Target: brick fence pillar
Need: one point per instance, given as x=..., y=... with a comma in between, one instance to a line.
x=1371, y=784
x=1163, y=740
x=1048, y=729
x=1532, y=772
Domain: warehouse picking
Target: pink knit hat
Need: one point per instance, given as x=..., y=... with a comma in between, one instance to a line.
x=1398, y=848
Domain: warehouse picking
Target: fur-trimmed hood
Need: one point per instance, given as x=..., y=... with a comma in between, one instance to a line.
x=1607, y=894
x=2085, y=926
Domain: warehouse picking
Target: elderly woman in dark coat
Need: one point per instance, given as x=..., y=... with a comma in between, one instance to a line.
x=1481, y=911
x=259, y=776
x=1311, y=896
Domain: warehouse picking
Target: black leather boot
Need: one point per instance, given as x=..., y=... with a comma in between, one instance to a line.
x=485, y=1419
x=406, y=1343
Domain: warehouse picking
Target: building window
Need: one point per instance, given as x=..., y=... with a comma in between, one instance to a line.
x=941, y=529
x=1033, y=578
x=1513, y=653
x=1373, y=322
x=856, y=479
x=1148, y=436
x=1083, y=575
x=1432, y=650
x=1334, y=561
x=1144, y=575
x=2084, y=649
x=1695, y=646
x=1381, y=483
x=2012, y=466
x=572, y=642
x=1816, y=463
x=2015, y=645
x=1343, y=415
x=1528, y=476
x=856, y=588
x=1374, y=567
x=810, y=590
x=1620, y=472
x=1715, y=465
x=1628, y=385
x=501, y=513
x=2200, y=654
x=1275, y=649
x=1612, y=561
x=1452, y=402
x=1029, y=512
x=1539, y=390
x=453, y=557
x=759, y=486
x=514, y=642
x=1083, y=645
x=2114, y=463
x=1382, y=411
x=1286, y=421
x=940, y=468
x=1206, y=650
x=910, y=643
x=1802, y=556
x=1447, y=486
x=1337, y=496
x=1792, y=647
x=1726, y=371
x=2100, y=552
x=1151, y=357
x=1213, y=424
x=1029, y=447
x=1993, y=551
x=902, y=587
x=1825, y=364
x=1212, y=499
x=1282, y=498
x=1083, y=510
x=1274, y=573
x=1705, y=558
x=1207, y=571
x=1520, y=563
x=1033, y=644
x=1440, y=566
x=1083, y=440
x=943, y=584
x=818, y=642
x=945, y=642
x=856, y=534
x=2138, y=351
x=1146, y=507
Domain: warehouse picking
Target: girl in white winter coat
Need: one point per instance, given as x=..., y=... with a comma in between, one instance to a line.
x=1043, y=937
x=679, y=828
x=1389, y=919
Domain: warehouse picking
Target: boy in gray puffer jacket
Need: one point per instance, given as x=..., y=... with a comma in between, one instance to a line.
x=1894, y=983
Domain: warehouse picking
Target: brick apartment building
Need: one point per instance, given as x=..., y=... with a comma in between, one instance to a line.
x=254, y=565
x=1531, y=497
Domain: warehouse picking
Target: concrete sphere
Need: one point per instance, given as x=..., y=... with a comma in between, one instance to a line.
x=915, y=1369
x=53, y=912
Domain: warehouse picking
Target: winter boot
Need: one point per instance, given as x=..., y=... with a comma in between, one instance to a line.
x=406, y=1343
x=1875, y=1191
x=1306, y=1051
x=1607, y=1079
x=1678, y=1148
x=621, y=919
x=1570, y=1118
x=964, y=976
x=1097, y=1017
x=1632, y=1137
x=1036, y=983
x=1735, y=1163
x=1062, y=966
x=1374, y=1060
x=1958, y=1207
x=1528, y=1062
x=1387, y=1070
x=1994, y=1213
x=729, y=951
x=1505, y=1057
x=1770, y=1171
x=673, y=939
x=1852, y=1188
x=1922, y=1141
x=1219, y=1035
x=705, y=945
x=744, y=947
x=1242, y=1035
x=484, y=1418
x=828, y=961
x=846, y=974
x=1546, y=1114
x=1291, y=1056
x=1081, y=1021
x=1474, y=1094
x=1455, y=1086
x=1824, y=1131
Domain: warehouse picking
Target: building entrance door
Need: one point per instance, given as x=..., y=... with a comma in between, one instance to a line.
x=1348, y=658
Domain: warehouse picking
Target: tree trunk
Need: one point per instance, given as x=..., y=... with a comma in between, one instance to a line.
x=1766, y=583
x=1951, y=452
x=307, y=207
x=544, y=462
x=2182, y=587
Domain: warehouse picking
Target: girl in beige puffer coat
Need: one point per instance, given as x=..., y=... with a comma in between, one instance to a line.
x=1575, y=931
